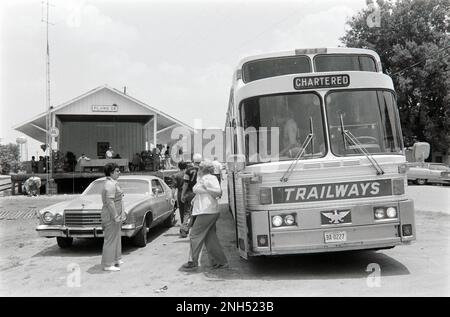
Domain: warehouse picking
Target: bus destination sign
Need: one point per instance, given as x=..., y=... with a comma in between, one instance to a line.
x=327, y=81
x=334, y=191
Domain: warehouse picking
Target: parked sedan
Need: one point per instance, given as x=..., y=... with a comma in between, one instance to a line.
x=147, y=200
x=425, y=173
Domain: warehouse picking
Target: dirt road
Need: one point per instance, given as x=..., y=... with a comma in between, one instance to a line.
x=33, y=266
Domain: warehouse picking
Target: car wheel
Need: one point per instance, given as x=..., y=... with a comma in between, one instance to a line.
x=170, y=221
x=421, y=181
x=64, y=243
x=140, y=239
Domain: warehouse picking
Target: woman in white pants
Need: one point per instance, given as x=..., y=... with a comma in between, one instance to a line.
x=206, y=212
x=112, y=218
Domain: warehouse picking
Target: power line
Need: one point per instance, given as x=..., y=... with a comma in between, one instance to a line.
x=422, y=60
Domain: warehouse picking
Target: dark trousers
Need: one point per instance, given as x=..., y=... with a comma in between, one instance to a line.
x=187, y=221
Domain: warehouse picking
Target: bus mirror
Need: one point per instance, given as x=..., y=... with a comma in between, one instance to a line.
x=236, y=163
x=421, y=151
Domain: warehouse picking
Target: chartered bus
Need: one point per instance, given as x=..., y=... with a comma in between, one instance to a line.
x=315, y=156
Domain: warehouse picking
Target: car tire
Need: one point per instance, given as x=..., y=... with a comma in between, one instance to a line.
x=140, y=239
x=170, y=221
x=64, y=243
x=421, y=181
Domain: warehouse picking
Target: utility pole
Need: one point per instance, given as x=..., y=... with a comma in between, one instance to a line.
x=48, y=120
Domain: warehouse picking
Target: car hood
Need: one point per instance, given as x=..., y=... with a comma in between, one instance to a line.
x=93, y=202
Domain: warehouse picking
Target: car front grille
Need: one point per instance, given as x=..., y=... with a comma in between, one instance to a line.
x=82, y=219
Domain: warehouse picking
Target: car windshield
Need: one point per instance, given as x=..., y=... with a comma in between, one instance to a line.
x=279, y=124
x=129, y=186
x=370, y=116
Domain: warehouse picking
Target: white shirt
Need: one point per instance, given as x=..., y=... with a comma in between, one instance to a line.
x=207, y=190
x=109, y=154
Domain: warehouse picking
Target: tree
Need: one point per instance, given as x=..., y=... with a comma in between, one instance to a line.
x=9, y=158
x=413, y=42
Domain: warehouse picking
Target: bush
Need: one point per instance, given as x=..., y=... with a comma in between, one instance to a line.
x=9, y=158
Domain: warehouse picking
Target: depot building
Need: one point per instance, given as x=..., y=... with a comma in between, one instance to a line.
x=104, y=117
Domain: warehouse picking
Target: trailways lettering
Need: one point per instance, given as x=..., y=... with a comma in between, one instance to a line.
x=319, y=192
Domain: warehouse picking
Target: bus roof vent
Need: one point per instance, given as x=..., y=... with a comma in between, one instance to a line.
x=303, y=51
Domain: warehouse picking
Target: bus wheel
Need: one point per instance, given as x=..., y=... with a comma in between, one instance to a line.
x=421, y=181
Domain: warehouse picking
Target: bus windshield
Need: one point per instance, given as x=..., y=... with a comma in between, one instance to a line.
x=347, y=62
x=271, y=67
x=280, y=124
x=369, y=115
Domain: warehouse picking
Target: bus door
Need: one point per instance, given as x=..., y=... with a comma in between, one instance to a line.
x=241, y=216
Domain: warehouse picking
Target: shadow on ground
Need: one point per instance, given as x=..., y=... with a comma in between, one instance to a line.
x=92, y=247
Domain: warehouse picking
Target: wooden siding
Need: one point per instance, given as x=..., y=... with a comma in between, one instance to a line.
x=126, y=138
x=104, y=97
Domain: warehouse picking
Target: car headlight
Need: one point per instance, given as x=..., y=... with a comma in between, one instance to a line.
x=277, y=221
x=391, y=212
x=58, y=218
x=48, y=217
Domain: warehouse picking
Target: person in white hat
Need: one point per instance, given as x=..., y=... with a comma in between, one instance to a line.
x=190, y=179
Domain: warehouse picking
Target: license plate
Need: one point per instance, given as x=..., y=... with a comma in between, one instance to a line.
x=335, y=236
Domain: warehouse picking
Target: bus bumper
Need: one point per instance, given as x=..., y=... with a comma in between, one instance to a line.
x=363, y=234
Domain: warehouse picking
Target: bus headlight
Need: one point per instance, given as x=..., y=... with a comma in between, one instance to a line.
x=379, y=213
x=277, y=221
x=391, y=212
x=289, y=220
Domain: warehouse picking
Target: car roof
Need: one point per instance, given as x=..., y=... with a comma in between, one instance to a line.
x=138, y=177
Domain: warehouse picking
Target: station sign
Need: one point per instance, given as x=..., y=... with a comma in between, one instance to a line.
x=326, y=81
x=105, y=108
x=54, y=132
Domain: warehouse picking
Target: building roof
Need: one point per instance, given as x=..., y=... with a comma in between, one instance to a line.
x=36, y=126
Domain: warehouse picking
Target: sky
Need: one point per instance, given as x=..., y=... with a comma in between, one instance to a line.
x=177, y=56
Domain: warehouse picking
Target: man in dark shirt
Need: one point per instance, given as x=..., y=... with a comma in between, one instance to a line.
x=190, y=179
x=177, y=183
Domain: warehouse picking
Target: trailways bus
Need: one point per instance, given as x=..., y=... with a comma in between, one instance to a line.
x=315, y=154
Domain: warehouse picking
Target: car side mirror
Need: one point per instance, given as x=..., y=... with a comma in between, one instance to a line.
x=236, y=162
x=421, y=151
